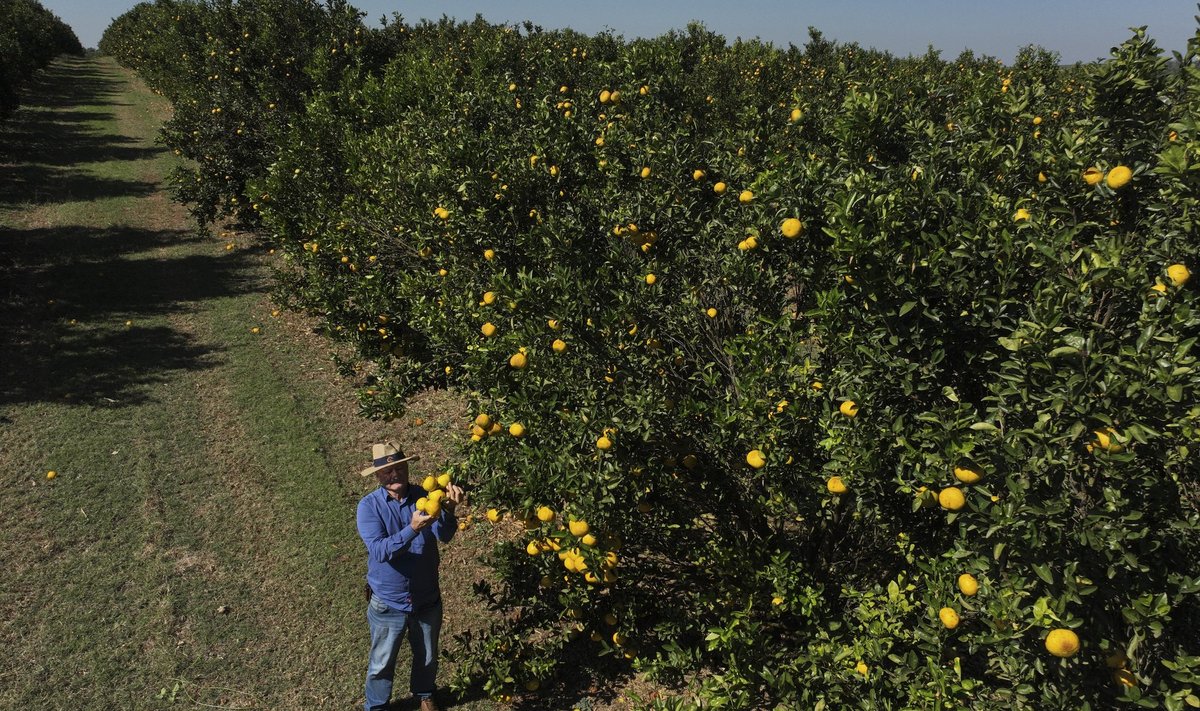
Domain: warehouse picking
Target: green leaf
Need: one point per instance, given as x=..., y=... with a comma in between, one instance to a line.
x=950, y=394
x=908, y=306
x=1044, y=573
x=984, y=427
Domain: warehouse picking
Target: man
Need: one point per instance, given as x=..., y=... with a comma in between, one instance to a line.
x=402, y=575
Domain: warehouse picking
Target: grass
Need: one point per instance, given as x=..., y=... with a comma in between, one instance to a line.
x=197, y=548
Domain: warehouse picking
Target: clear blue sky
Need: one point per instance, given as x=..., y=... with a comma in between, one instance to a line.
x=1079, y=30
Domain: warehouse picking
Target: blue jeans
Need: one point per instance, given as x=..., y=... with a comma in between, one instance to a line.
x=387, y=629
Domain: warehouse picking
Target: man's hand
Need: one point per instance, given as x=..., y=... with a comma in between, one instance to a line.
x=454, y=496
x=421, y=520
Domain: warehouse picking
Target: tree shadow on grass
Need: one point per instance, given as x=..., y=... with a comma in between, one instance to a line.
x=68, y=293
x=70, y=81
x=62, y=127
x=37, y=185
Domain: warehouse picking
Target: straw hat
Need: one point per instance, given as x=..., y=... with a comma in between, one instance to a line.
x=385, y=455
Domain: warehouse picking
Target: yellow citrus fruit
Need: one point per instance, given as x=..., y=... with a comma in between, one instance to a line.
x=836, y=485
x=483, y=420
x=952, y=498
x=489, y=254
x=967, y=474
x=545, y=514
x=746, y=197
x=429, y=483
x=968, y=585
x=791, y=228
x=645, y=173
x=603, y=442
x=443, y=480
x=533, y=548
x=487, y=329
x=442, y=213
x=949, y=617
x=604, y=96
x=650, y=278
x=516, y=429
x=1020, y=215
x=1041, y=177
x=493, y=515
x=422, y=504
x=1092, y=175
x=619, y=639
x=51, y=474
x=697, y=174
x=615, y=97
x=588, y=539
x=711, y=312
x=1037, y=120
x=756, y=459
x=559, y=345
x=862, y=668
x=848, y=408
x=720, y=188
x=577, y=528
x=1124, y=677
x=489, y=297
x=1118, y=177
x=518, y=360
x=1178, y=274
x=795, y=115
x=1116, y=660
x=1062, y=643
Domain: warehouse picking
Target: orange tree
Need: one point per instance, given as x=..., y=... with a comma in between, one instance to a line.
x=236, y=74
x=797, y=377
x=662, y=303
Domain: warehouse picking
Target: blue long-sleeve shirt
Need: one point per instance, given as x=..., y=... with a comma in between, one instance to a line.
x=402, y=564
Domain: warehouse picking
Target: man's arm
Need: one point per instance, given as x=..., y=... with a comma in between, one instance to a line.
x=380, y=546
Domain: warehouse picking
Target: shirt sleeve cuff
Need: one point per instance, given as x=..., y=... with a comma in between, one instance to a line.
x=406, y=536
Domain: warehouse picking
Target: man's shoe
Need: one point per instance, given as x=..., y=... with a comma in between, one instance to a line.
x=428, y=705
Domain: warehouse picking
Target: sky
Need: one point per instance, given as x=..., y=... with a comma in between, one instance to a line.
x=1079, y=30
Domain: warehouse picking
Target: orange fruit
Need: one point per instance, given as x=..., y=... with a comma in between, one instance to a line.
x=791, y=228
x=952, y=498
x=1118, y=177
x=949, y=617
x=1062, y=643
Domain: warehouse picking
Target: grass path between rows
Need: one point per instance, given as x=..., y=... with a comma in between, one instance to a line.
x=196, y=548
